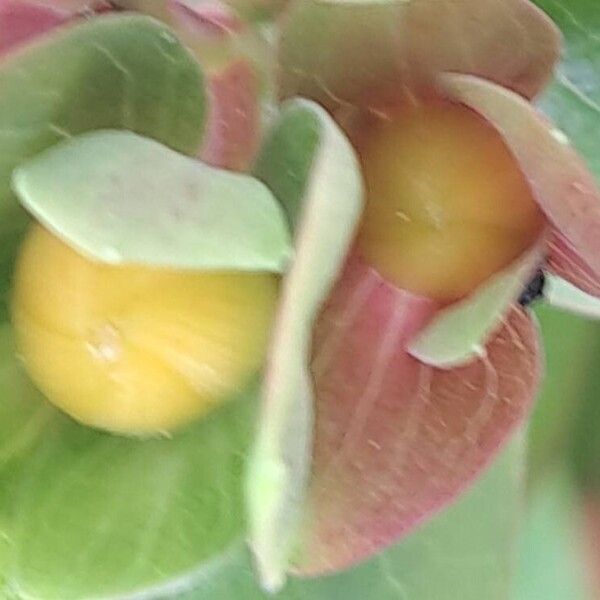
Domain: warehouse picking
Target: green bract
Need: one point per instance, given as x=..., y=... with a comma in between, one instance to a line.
x=312, y=168
x=123, y=199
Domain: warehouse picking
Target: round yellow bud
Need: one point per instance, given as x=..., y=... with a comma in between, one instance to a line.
x=132, y=349
x=447, y=205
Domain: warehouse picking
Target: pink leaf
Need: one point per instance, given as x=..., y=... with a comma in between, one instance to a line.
x=206, y=17
x=566, y=263
x=564, y=188
x=397, y=440
x=24, y=20
x=21, y=21
x=213, y=31
x=233, y=129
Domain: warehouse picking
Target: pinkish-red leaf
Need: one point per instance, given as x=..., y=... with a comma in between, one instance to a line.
x=211, y=18
x=397, y=440
x=24, y=20
x=233, y=131
x=566, y=263
x=563, y=186
x=219, y=39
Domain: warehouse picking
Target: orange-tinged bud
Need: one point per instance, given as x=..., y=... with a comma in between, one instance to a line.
x=134, y=349
x=447, y=205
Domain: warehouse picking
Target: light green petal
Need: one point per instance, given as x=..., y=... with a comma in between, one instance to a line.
x=312, y=169
x=124, y=199
x=564, y=295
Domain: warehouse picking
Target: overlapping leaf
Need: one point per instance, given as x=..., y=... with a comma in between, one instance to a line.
x=560, y=181
x=395, y=439
x=124, y=199
x=338, y=52
x=90, y=514
x=312, y=169
x=477, y=534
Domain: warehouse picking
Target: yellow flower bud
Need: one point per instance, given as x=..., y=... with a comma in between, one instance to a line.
x=134, y=349
x=447, y=205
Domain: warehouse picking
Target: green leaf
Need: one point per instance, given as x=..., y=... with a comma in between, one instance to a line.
x=466, y=553
x=571, y=346
x=110, y=72
x=552, y=564
x=85, y=514
x=312, y=169
x=585, y=441
x=121, y=198
x=573, y=100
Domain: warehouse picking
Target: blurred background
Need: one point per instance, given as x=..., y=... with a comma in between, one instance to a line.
x=559, y=554
x=559, y=557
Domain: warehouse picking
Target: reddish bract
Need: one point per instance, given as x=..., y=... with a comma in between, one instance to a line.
x=233, y=126
x=21, y=21
x=233, y=130
x=564, y=261
x=396, y=440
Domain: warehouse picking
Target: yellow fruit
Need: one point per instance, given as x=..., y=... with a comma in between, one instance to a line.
x=447, y=205
x=132, y=349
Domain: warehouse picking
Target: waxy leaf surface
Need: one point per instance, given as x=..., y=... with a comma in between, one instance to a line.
x=312, y=169
x=123, y=199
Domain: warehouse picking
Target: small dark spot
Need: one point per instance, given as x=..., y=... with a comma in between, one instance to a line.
x=534, y=290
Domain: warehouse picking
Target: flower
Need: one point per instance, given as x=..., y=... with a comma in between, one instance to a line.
x=408, y=397
x=413, y=398
x=73, y=71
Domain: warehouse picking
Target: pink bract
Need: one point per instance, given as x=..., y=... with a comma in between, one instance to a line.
x=398, y=439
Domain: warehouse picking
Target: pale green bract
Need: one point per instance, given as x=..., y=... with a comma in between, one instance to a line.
x=312, y=168
x=120, y=198
x=459, y=333
x=565, y=296
x=84, y=514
